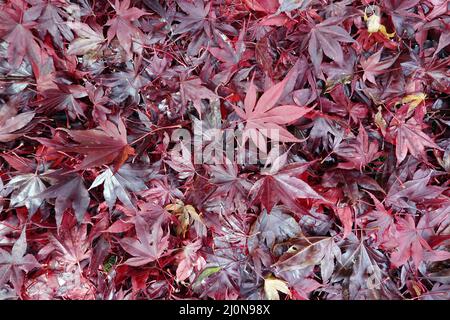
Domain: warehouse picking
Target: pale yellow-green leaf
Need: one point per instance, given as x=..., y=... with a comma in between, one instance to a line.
x=374, y=25
x=272, y=286
x=414, y=99
x=379, y=120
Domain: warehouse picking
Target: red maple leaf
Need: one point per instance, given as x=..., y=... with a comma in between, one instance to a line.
x=69, y=192
x=410, y=137
x=324, y=38
x=106, y=144
x=411, y=244
x=121, y=24
x=358, y=152
x=264, y=115
x=284, y=186
x=15, y=28
x=150, y=245
x=373, y=66
x=14, y=264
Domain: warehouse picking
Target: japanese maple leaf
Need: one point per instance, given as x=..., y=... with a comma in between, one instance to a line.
x=263, y=115
x=25, y=188
x=99, y=99
x=275, y=226
x=193, y=90
x=368, y=40
x=106, y=144
x=337, y=72
x=232, y=56
x=231, y=189
x=117, y=184
x=444, y=41
x=71, y=247
x=197, y=11
x=411, y=244
x=358, y=152
x=10, y=125
x=267, y=6
x=372, y=66
x=188, y=219
x=121, y=25
x=308, y=252
x=15, y=28
x=363, y=272
x=324, y=134
x=89, y=39
x=324, y=38
x=402, y=16
x=290, y=5
x=197, y=25
x=150, y=245
x=190, y=260
x=63, y=98
x=162, y=192
x=217, y=282
x=305, y=253
x=356, y=111
x=381, y=222
x=14, y=264
x=283, y=186
x=345, y=215
x=409, y=137
x=302, y=287
x=69, y=253
x=22, y=165
x=417, y=190
x=440, y=7
x=182, y=163
x=351, y=182
x=227, y=52
x=52, y=20
x=126, y=84
x=331, y=252
x=69, y=192
x=272, y=287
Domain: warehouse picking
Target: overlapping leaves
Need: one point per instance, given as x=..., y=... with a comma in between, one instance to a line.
x=97, y=202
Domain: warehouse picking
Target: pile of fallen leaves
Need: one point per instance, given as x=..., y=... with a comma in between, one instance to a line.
x=96, y=203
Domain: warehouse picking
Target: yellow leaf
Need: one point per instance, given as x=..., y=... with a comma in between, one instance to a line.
x=177, y=206
x=385, y=33
x=379, y=120
x=374, y=25
x=186, y=215
x=414, y=100
x=192, y=212
x=272, y=286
